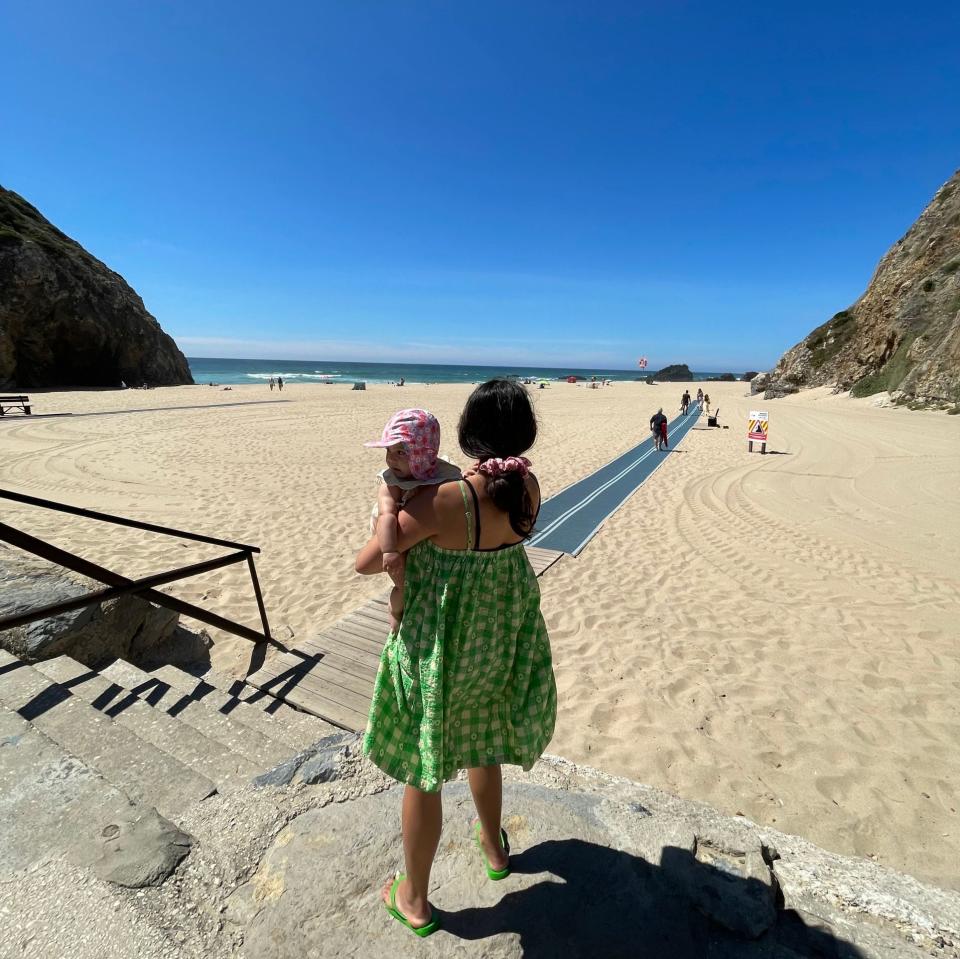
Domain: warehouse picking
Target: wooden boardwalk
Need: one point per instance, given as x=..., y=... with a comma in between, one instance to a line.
x=331, y=675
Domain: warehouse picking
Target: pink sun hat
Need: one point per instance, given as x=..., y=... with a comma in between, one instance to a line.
x=419, y=431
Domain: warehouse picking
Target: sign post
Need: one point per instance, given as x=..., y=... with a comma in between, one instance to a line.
x=757, y=427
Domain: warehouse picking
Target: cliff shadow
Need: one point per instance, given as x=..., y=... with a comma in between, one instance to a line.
x=146, y=409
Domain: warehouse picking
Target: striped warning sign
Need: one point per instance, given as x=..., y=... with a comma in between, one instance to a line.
x=757, y=425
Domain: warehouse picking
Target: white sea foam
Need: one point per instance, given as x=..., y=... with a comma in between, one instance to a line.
x=292, y=376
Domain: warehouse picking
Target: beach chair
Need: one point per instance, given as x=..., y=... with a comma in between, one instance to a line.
x=10, y=403
x=712, y=418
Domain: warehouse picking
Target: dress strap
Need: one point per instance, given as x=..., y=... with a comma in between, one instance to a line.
x=476, y=514
x=466, y=511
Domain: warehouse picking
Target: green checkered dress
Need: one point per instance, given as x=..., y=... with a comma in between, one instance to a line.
x=467, y=680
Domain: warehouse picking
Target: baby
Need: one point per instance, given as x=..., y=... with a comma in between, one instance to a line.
x=412, y=441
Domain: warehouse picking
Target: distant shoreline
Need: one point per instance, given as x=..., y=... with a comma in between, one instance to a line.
x=249, y=372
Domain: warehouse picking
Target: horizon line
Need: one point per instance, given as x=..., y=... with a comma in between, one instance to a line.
x=649, y=370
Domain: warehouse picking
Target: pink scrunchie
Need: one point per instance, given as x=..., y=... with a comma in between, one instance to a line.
x=512, y=464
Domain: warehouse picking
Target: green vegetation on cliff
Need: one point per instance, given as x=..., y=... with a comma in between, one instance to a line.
x=890, y=375
x=826, y=341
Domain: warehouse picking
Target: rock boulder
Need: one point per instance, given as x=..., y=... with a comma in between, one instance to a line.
x=66, y=319
x=139, y=851
x=127, y=626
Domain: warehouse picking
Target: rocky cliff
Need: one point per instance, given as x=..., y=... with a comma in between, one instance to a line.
x=903, y=334
x=68, y=320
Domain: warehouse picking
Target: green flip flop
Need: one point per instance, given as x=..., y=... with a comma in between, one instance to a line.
x=492, y=873
x=422, y=931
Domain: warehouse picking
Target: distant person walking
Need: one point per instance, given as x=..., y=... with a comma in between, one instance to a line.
x=685, y=402
x=271, y=384
x=658, y=426
x=280, y=383
x=706, y=402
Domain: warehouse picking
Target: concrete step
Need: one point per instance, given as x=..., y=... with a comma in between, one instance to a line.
x=147, y=775
x=212, y=759
x=48, y=798
x=203, y=715
x=292, y=726
x=252, y=716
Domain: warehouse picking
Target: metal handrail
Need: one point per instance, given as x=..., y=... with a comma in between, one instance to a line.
x=121, y=520
x=119, y=585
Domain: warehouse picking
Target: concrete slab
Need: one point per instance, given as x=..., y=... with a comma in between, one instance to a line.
x=59, y=911
x=589, y=879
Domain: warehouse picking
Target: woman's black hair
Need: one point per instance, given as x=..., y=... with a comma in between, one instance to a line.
x=498, y=421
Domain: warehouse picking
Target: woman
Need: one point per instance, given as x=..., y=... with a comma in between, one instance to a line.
x=466, y=682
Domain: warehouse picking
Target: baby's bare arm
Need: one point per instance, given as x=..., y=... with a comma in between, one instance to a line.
x=388, y=505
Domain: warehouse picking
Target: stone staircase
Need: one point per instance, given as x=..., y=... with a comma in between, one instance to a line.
x=79, y=747
x=89, y=869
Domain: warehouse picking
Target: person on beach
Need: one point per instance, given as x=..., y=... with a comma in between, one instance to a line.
x=684, y=402
x=271, y=384
x=700, y=395
x=706, y=402
x=658, y=426
x=280, y=383
x=467, y=681
x=411, y=439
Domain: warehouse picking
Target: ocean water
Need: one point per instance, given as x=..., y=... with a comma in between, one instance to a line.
x=235, y=372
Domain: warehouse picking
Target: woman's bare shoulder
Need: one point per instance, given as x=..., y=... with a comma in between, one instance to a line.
x=448, y=494
x=533, y=489
x=450, y=487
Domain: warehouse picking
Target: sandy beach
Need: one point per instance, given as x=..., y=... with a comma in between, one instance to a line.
x=774, y=635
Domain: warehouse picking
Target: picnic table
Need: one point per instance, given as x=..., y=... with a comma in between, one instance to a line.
x=10, y=404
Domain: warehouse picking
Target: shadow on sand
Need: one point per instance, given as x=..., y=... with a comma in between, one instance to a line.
x=145, y=409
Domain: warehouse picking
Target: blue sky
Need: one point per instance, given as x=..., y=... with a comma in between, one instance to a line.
x=503, y=182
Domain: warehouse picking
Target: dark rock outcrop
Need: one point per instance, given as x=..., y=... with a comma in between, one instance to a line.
x=677, y=373
x=68, y=320
x=903, y=334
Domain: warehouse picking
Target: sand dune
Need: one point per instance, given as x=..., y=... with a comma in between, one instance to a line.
x=773, y=635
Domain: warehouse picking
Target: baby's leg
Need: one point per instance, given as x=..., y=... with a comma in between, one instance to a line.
x=396, y=595
x=396, y=608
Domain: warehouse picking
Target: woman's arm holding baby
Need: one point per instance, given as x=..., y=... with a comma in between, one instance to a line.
x=417, y=521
